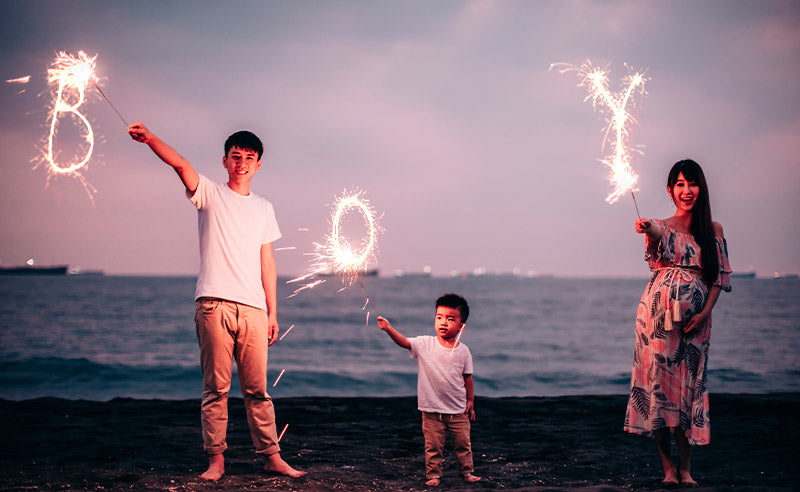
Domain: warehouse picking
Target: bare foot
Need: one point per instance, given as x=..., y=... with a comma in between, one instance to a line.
x=433, y=482
x=275, y=464
x=670, y=477
x=686, y=478
x=470, y=478
x=216, y=468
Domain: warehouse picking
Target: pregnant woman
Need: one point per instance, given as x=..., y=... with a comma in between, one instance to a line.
x=688, y=256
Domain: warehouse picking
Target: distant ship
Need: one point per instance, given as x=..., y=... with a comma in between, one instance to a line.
x=35, y=270
x=373, y=272
x=743, y=275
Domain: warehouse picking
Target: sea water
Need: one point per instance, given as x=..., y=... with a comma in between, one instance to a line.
x=101, y=337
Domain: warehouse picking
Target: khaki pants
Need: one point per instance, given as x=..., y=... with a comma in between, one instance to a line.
x=227, y=330
x=434, y=428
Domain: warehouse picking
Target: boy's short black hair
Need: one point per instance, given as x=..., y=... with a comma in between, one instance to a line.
x=244, y=140
x=455, y=301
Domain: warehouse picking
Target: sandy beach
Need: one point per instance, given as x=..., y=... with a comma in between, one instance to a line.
x=360, y=444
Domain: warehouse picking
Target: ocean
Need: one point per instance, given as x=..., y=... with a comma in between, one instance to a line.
x=102, y=337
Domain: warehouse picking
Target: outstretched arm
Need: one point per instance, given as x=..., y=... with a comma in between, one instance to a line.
x=269, y=278
x=185, y=171
x=646, y=226
x=395, y=335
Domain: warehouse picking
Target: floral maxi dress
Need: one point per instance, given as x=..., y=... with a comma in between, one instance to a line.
x=668, y=381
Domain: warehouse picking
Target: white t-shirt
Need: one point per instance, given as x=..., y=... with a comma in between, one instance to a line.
x=232, y=229
x=440, y=383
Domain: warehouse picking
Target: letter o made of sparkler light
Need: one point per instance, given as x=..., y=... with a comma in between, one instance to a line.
x=346, y=257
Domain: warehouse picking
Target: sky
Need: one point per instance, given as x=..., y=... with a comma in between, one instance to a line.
x=445, y=114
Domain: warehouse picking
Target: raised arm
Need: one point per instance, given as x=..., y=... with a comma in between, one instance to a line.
x=269, y=278
x=185, y=171
x=395, y=335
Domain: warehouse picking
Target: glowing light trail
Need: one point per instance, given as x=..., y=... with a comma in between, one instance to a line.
x=336, y=255
x=457, y=340
x=278, y=378
x=282, y=432
x=19, y=80
x=286, y=333
x=623, y=178
x=72, y=76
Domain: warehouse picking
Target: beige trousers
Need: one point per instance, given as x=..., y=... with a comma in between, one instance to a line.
x=228, y=330
x=434, y=428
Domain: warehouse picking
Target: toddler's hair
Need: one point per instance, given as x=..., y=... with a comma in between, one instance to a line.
x=455, y=301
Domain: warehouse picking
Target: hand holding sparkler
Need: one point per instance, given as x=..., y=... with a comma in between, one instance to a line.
x=646, y=226
x=183, y=167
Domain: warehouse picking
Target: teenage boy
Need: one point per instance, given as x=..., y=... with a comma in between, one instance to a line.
x=235, y=314
x=444, y=386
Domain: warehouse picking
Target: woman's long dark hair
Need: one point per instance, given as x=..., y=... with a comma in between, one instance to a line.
x=702, y=227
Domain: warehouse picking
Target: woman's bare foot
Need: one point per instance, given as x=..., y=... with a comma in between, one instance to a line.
x=433, y=482
x=686, y=478
x=670, y=477
x=216, y=468
x=275, y=464
x=470, y=478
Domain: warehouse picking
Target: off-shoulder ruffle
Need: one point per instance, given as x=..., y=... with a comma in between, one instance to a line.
x=724, y=279
x=657, y=252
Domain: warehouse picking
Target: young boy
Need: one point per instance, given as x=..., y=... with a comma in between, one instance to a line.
x=444, y=385
x=236, y=294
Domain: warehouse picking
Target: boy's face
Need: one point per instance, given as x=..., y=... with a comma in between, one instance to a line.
x=241, y=164
x=447, y=322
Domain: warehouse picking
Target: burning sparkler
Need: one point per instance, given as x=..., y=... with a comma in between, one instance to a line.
x=623, y=178
x=336, y=255
x=72, y=76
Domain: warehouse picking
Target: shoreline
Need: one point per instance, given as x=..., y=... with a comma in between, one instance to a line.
x=366, y=443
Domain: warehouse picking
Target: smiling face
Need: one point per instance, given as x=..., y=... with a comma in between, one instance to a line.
x=684, y=194
x=241, y=164
x=447, y=322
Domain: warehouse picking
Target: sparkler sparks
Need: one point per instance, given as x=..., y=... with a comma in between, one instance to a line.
x=623, y=178
x=336, y=255
x=72, y=76
x=282, y=432
x=458, y=338
x=286, y=333
x=19, y=80
x=278, y=378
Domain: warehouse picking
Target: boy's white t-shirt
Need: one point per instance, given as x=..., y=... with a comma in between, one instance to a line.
x=440, y=383
x=232, y=229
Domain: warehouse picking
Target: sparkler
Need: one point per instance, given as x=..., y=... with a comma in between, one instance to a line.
x=336, y=255
x=623, y=178
x=72, y=76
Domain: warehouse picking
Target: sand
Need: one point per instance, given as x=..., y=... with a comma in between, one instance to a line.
x=360, y=444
